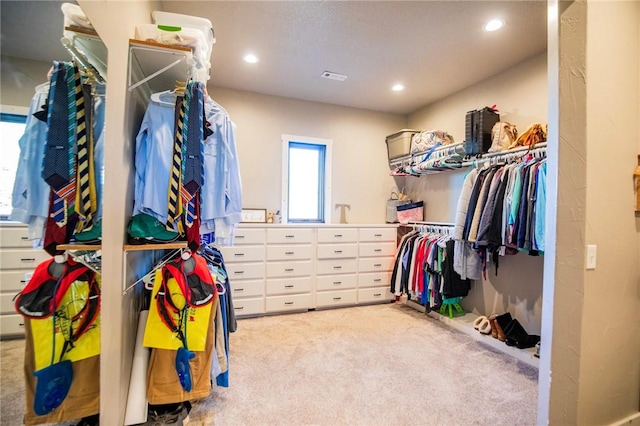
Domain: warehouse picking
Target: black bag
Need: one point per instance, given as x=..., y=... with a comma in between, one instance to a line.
x=478, y=126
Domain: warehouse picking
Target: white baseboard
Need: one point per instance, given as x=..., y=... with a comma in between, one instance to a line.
x=632, y=420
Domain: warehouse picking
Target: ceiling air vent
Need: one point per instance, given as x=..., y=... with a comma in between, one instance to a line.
x=334, y=76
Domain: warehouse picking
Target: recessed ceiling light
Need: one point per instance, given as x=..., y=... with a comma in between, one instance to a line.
x=250, y=58
x=397, y=87
x=494, y=24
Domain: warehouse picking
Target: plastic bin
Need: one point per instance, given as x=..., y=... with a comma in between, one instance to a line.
x=399, y=143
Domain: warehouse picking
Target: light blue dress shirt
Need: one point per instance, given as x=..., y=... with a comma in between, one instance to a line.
x=541, y=206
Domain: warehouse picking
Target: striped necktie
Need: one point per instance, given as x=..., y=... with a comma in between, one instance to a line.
x=175, y=179
x=193, y=165
x=86, y=203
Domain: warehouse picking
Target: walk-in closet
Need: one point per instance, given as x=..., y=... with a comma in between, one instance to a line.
x=296, y=212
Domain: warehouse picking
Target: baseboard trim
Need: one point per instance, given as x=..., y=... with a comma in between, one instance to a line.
x=633, y=419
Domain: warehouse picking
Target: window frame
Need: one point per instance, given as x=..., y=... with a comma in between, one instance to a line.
x=10, y=114
x=328, y=149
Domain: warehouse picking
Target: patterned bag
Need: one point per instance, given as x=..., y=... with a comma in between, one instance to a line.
x=534, y=134
x=424, y=141
x=503, y=135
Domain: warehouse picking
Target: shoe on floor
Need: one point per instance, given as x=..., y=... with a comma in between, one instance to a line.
x=177, y=416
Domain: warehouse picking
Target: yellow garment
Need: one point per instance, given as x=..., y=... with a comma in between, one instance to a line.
x=158, y=335
x=68, y=316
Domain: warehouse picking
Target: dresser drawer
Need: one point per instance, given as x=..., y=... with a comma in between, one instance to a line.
x=374, y=294
x=13, y=280
x=336, y=282
x=336, y=266
x=374, y=279
x=289, y=252
x=247, y=288
x=11, y=325
x=21, y=258
x=288, y=236
x=338, y=235
x=245, y=271
x=378, y=234
x=337, y=251
x=377, y=249
x=336, y=298
x=375, y=264
x=243, y=253
x=288, y=286
x=15, y=237
x=6, y=303
x=294, y=302
x=250, y=236
x=288, y=269
x=246, y=307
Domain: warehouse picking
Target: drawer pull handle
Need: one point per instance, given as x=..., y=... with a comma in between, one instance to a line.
x=289, y=253
x=24, y=238
x=238, y=308
x=289, y=270
x=288, y=303
x=31, y=259
x=238, y=289
x=337, y=235
x=20, y=324
x=377, y=235
x=337, y=267
x=240, y=236
x=239, y=272
x=337, y=251
x=337, y=298
x=377, y=250
x=337, y=282
x=377, y=265
x=377, y=294
x=23, y=281
x=239, y=254
x=289, y=236
x=288, y=286
x=377, y=280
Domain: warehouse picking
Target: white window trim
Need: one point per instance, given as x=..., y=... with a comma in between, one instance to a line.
x=328, y=143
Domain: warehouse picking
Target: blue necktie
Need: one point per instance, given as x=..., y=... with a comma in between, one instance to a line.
x=193, y=164
x=55, y=169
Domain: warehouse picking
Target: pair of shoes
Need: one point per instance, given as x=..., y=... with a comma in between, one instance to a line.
x=517, y=336
x=498, y=324
x=537, y=354
x=90, y=421
x=178, y=415
x=482, y=324
x=147, y=229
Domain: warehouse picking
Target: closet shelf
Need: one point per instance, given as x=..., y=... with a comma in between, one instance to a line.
x=142, y=247
x=78, y=247
x=158, y=65
x=465, y=324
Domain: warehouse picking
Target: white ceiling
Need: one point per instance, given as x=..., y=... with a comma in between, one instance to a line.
x=435, y=48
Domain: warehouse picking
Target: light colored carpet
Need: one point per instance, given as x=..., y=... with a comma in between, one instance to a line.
x=369, y=365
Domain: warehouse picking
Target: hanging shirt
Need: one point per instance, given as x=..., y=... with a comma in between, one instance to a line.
x=540, y=210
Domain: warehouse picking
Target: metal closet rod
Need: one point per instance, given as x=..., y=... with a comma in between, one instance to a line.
x=81, y=59
x=420, y=222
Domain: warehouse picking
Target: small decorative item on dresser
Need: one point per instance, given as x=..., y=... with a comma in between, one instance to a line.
x=636, y=178
x=254, y=215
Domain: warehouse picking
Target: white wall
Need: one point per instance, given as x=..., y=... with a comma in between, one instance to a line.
x=521, y=96
x=360, y=166
x=19, y=77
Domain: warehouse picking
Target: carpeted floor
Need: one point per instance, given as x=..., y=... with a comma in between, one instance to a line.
x=369, y=365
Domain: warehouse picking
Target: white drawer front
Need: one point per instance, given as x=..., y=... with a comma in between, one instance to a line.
x=250, y=236
x=21, y=259
x=294, y=302
x=243, y=254
x=377, y=249
x=336, y=298
x=374, y=279
x=375, y=264
x=378, y=234
x=338, y=235
x=247, y=288
x=244, y=307
x=293, y=252
x=6, y=303
x=288, y=286
x=11, y=325
x=288, y=236
x=336, y=266
x=336, y=282
x=13, y=280
x=337, y=251
x=14, y=237
x=245, y=271
x=288, y=269
x=374, y=294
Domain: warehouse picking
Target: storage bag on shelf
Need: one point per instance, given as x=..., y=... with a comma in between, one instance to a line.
x=413, y=212
x=392, y=203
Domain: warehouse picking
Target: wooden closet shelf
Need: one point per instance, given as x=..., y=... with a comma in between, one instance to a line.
x=82, y=31
x=160, y=45
x=78, y=246
x=141, y=247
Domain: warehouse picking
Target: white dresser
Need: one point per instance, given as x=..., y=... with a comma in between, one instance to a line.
x=17, y=258
x=286, y=268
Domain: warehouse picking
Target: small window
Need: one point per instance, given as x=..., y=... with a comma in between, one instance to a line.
x=306, y=179
x=11, y=128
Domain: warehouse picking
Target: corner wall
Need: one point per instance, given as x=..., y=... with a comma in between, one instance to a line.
x=19, y=77
x=360, y=167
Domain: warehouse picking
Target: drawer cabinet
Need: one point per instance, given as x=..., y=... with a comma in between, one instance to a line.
x=337, y=251
x=336, y=298
x=336, y=266
x=374, y=294
x=375, y=279
x=337, y=235
x=247, y=288
x=288, y=252
x=336, y=282
x=250, y=236
x=288, y=269
x=13, y=281
x=248, y=307
x=15, y=237
x=21, y=258
x=377, y=249
x=288, y=235
x=245, y=271
x=243, y=253
x=377, y=234
x=12, y=325
x=294, y=302
x=288, y=286
x=375, y=264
